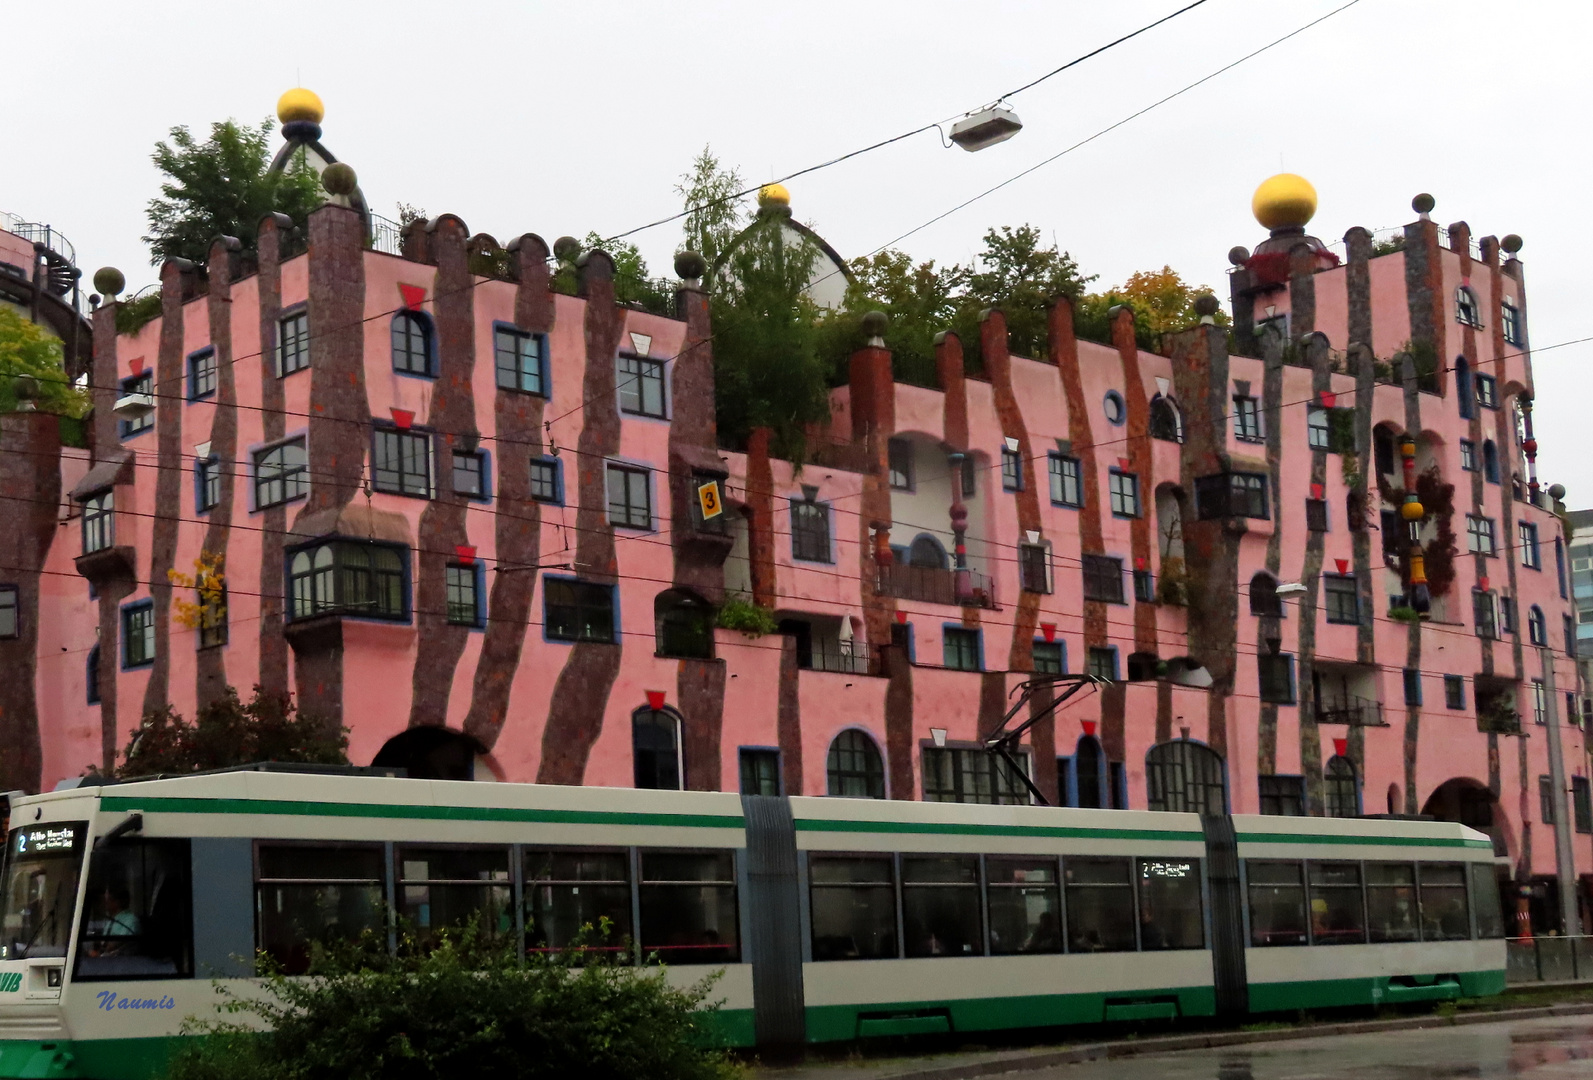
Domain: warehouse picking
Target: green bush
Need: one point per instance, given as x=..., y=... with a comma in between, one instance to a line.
x=463, y=1008
x=750, y=618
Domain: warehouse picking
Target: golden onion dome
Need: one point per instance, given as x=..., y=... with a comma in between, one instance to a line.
x=300, y=104
x=1284, y=201
x=774, y=195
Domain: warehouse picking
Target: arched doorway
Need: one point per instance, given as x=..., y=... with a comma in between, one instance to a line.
x=655, y=749
x=1341, y=791
x=1185, y=776
x=434, y=753
x=1470, y=803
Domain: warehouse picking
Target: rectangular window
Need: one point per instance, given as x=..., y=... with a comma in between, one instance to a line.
x=1124, y=489
x=320, y=893
x=10, y=604
x=207, y=483
x=688, y=906
x=144, y=384
x=1231, y=495
x=1101, y=662
x=348, y=577
x=629, y=500
x=1065, y=487
x=1510, y=318
x=1484, y=613
x=1282, y=795
x=1100, y=904
x=1034, y=568
x=961, y=648
x=1468, y=455
x=940, y=905
x=1338, y=911
x=567, y=891
x=1445, y=916
x=138, y=635
x=1413, y=687
x=293, y=343
x=1485, y=902
x=455, y=887
x=202, y=374
x=1342, y=596
x=641, y=386
x=1276, y=676
x=578, y=610
x=1570, y=634
x=1391, y=902
x=1144, y=586
x=470, y=474
x=900, y=452
x=1049, y=658
x=969, y=484
x=281, y=474
x=852, y=900
x=1277, y=903
x=1529, y=546
x=1316, y=515
x=401, y=462
x=810, y=531
x=545, y=480
x=1546, y=800
x=1025, y=905
x=1479, y=535
x=1247, y=419
x=1103, y=578
x=1169, y=904
x=1319, y=428
x=1539, y=701
x=463, y=595
x=136, y=922
x=1011, y=470
x=99, y=522
x=212, y=604
x=971, y=775
x=1487, y=391
x=1454, y=691
x=1507, y=615
x=1582, y=803
x=519, y=359
x=760, y=771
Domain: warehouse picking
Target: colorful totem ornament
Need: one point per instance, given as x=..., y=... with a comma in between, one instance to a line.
x=1413, y=512
x=959, y=531
x=1529, y=445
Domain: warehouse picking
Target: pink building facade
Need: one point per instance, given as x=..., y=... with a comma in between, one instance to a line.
x=471, y=518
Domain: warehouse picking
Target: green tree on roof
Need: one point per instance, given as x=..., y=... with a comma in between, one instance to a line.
x=28, y=349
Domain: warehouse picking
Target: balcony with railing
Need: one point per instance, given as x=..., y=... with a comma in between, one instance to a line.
x=1351, y=711
x=933, y=585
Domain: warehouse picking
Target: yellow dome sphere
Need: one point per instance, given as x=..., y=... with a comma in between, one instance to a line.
x=774, y=195
x=1412, y=511
x=1284, y=201
x=300, y=104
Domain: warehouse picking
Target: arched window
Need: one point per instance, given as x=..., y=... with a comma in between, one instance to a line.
x=1165, y=420
x=1490, y=461
x=1395, y=806
x=1341, y=792
x=655, y=749
x=1466, y=309
x=1264, y=595
x=1185, y=777
x=854, y=766
x=926, y=553
x=1089, y=773
x=1537, y=626
x=1384, y=456
x=683, y=625
x=412, y=349
x=1464, y=394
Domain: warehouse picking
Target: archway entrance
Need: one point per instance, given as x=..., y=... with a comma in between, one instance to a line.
x=434, y=753
x=1470, y=803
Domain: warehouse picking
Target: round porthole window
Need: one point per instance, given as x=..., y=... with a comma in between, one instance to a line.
x=1116, y=411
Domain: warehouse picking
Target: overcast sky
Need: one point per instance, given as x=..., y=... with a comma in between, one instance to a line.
x=569, y=117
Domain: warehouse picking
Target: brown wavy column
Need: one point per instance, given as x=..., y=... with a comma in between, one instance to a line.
x=580, y=696
x=788, y=718
x=1316, y=351
x=1270, y=349
x=760, y=517
x=517, y=525
x=442, y=523
x=176, y=280
x=221, y=268
x=273, y=522
x=30, y=489
x=1142, y=463
x=116, y=583
x=1358, y=286
x=339, y=423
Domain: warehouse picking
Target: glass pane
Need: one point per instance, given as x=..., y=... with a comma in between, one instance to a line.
x=1337, y=912
x=854, y=922
x=291, y=918
x=946, y=870
x=1100, y=917
x=135, y=912
x=41, y=876
x=453, y=864
x=1277, y=904
x=1443, y=902
x=1272, y=873
x=1025, y=908
x=1390, y=874
x=1485, y=898
x=941, y=920
x=1170, y=905
x=688, y=866
x=840, y=870
x=690, y=924
x=320, y=863
x=1096, y=871
x=577, y=866
x=426, y=908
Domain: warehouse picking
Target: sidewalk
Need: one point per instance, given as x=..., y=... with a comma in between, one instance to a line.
x=965, y=1065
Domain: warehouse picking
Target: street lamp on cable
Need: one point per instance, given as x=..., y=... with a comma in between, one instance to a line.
x=1291, y=588
x=986, y=127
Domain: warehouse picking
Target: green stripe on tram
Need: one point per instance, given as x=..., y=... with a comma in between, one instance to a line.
x=413, y=811
x=948, y=828
x=1368, y=840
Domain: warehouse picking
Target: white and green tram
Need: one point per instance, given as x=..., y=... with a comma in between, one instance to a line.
x=831, y=919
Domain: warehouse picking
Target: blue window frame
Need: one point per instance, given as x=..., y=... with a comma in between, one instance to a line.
x=472, y=475
x=963, y=647
x=1050, y=657
x=1115, y=408
x=466, y=595
x=1465, y=396
x=1559, y=564
x=1454, y=691
x=1102, y=661
x=1413, y=687
x=413, y=352
x=202, y=373
x=1490, y=461
x=142, y=383
x=207, y=483
x=520, y=359
x=1011, y=470
x=138, y=634
x=547, y=480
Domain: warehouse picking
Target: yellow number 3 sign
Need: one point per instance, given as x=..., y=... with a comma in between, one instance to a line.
x=708, y=496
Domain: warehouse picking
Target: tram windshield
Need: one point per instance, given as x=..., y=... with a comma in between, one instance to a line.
x=42, y=867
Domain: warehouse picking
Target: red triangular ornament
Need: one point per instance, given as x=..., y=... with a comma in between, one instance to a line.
x=1048, y=629
x=414, y=295
x=655, y=700
x=1343, y=565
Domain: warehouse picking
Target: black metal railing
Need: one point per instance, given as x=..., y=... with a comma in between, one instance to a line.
x=846, y=657
x=932, y=585
x=387, y=236
x=1353, y=711
x=1548, y=959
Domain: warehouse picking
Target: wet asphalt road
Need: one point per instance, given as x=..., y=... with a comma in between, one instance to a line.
x=1537, y=1049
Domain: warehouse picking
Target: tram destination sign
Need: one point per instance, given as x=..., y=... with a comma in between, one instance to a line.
x=1162, y=868
x=47, y=840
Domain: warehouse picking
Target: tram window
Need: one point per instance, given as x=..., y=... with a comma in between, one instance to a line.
x=310, y=895
x=41, y=878
x=1025, y=906
x=1391, y=901
x=136, y=921
x=449, y=887
x=689, y=907
x=940, y=905
x=1485, y=901
x=1169, y=904
x=1338, y=915
x=1100, y=905
x=1277, y=903
x=853, y=902
x=568, y=894
x=1443, y=894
